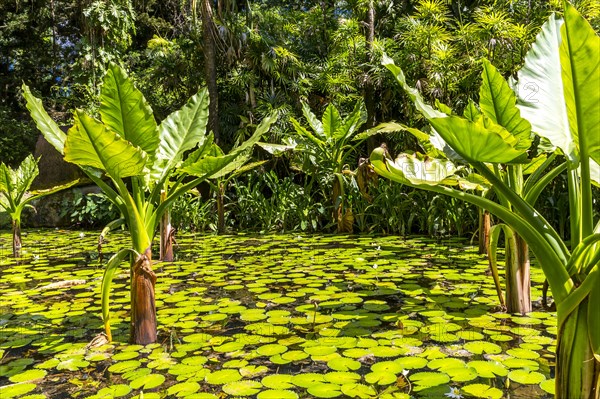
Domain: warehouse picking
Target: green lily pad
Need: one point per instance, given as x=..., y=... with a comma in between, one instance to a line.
x=322, y=390
x=429, y=379
x=14, y=390
x=526, y=377
x=183, y=389
x=343, y=364
x=341, y=377
x=307, y=380
x=483, y=391
x=480, y=347
x=224, y=376
x=277, y=394
x=114, y=391
x=549, y=386
x=278, y=381
x=380, y=377
x=523, y=353
x=487, y=369
x=242, y=388
x=358, y=390
x=29, y=375
x=148, y=381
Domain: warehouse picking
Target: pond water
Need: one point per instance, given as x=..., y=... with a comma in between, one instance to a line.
x=271, y=316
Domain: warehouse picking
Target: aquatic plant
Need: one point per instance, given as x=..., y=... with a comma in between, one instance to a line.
x=144, y=162
x=15, y=195
x=563, y=71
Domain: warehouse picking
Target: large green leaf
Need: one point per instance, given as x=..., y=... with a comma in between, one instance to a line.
x=417, y=170
x=427, y=110
x=483, y=141
x=350, y=124
x=44, y=123
x=540, y=90
x=181, y=131
x=498, y=102
x=217, y=165
x=90, y=143
x=331, y=121
x=14, y=183
x=313, y=121
x=125, y=111
x=580, y=60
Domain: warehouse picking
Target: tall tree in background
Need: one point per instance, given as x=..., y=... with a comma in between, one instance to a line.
x=209, y=36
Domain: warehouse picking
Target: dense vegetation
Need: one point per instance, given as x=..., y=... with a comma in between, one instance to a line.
x=265, y=57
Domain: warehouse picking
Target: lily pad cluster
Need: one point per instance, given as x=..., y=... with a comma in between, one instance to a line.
x=272, y=316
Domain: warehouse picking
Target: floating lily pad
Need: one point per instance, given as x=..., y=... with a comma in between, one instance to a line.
x=277, y=394
x=148, y=381
x=14, y=390
x=242, y=388
x=526, y=377
x=549, y=386
x=224, y=376
x=482, y=391
x=322, y=390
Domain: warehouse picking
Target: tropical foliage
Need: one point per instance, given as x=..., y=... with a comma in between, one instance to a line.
x=563, y=64
x=128, y=144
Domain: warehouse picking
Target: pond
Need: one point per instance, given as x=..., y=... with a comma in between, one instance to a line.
x=271, y=316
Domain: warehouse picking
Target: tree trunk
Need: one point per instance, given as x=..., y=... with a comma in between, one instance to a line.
x=221, y=208
x=485, y=224
x=167, y=233
x=518, y=283
x=16, y=238
x=369, y=89
x=577, y=371
x=210, y=67
x=143, y=307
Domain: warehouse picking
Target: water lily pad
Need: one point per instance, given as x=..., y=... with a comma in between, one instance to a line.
x=549, y=386
x=271, y=349
x=380, y=377
x=482, y=391
x=224, y=376
x=429, y=379
x=14, y=390
x=526, y=377
x=125, y=366
x=325, y=390
x=278, y=381
x=307, y=380
x=341, y=377
x=487, y=369
x=343, y=364
x=29, y=375
x=183, y=389
x=358, y=390
x=480, y=347
x=242, y=388
x=523, y=353
x=114, y=391
x=277, y=394
x=148, y=381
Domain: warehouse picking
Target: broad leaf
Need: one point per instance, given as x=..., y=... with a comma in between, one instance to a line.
x=314, y=123
x=277, y=149
x=44, y=123
x=331, y=121
x=181, y=131
x=303, y=132
x=90, y=143
x=415, y=170
x=497, y=102
x=14, y=183
x=125, y=111
x=352, y=122
x=580, y=59
x=474, y=182
x=483, y=141
x=540, y=90
x=427, y=110
x=215, y=166
x=471, y=112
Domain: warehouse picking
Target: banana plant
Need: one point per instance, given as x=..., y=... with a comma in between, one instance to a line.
x=326, y=149
x=15, y=195
x=141, y=159
x=563, y=67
